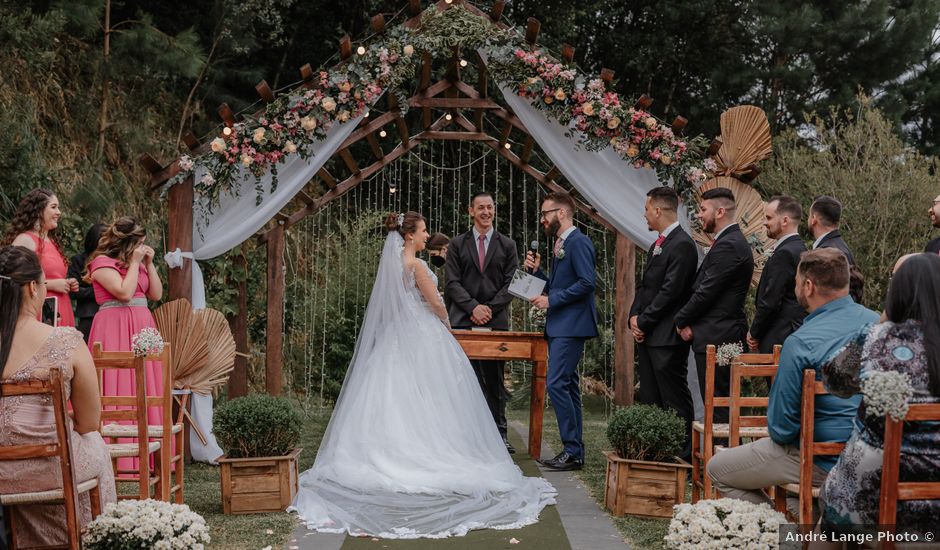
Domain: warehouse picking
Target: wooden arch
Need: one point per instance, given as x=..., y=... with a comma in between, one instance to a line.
x=448, y=109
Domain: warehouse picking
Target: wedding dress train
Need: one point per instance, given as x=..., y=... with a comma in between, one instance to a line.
x=411, y=450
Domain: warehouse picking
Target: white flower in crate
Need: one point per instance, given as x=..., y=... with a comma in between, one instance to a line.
x=147, y=342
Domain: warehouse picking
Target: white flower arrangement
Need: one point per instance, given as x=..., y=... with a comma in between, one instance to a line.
x=657, y=250
x=561, y=253
x=147, y=342
x=537, y=316
x=723, y=524
x=887, y=393
x=134, y=524
x=726, y=353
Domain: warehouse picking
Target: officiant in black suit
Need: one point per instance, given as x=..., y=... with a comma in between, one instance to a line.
x=479, y=267
x=715, y=312
x=778, y=313
x=665, y=287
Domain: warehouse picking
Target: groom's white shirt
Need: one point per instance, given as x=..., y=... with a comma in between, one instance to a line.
x=486, y=242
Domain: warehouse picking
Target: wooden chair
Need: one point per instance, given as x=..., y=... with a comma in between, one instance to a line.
x=62, y=448
x=750, y=365
x=808, y=450
x=891, y=489
x=151, y=440
x=705, y=432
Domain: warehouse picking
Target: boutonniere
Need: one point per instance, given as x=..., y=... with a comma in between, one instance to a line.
x=561, y=253
x=657, y=250
x=706, y=249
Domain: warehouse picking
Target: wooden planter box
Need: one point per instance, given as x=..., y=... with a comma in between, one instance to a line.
x=642, y=488
x=253, y=485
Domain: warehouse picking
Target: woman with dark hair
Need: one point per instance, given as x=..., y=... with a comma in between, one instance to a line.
x=28, y=350
x=123, y=276
x=906, y=341
x=34, y=227
x=85, y=303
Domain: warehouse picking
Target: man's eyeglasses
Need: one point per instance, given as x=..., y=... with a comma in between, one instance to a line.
x=547, y=212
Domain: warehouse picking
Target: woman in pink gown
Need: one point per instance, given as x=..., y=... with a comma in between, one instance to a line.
x=28, y=350
x=123, y=276
x=33, y=227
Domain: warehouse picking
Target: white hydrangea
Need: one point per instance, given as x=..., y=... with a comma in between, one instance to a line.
x=887, y=393
x=723, y=524
x=134, y=524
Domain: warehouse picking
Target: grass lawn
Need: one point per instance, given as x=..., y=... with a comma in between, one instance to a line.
x=642, y=533
x=252, y=531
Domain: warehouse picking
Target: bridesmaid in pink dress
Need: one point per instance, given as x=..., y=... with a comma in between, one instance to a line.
x=33, y=227
x=28, y=350
x=123, y=276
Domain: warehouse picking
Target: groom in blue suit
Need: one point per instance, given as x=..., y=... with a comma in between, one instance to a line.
x=571, y=319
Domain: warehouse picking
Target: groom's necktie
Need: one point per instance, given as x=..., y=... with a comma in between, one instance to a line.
x=482, y=251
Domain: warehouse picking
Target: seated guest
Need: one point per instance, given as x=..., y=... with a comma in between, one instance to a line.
x=822, y=288
x=86, y=306
x=933, y=247
x=28, y=350
x=908, y=341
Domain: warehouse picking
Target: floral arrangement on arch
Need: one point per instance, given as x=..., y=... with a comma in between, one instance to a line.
x=133, y=524
x=297, y=118
x=723, y=524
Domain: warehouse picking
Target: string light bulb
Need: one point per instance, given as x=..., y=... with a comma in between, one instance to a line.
x=448, y=116
x=383, y=133
x=463, y=62
x=365, y=114
x=361, y=50
x=392, y=187
x=448, y=1
x=507, y=145
x=227, y=131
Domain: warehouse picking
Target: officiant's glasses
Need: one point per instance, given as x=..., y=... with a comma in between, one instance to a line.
x=545, y=213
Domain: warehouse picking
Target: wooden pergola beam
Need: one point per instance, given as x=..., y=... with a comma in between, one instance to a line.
x=149, y=163
x=345, y=47
x=453, y=103
x=306, y=73
x=378, y=23
x=374, y=146
x=414, y=7
x=644, y=102
x=567, y=52
x=527, y=149
x=678, y=124
x=349, y=160
x=191, y=141
x=227, y=115
x=504, y=133
x=452, y=136
x=327, y=177
x=264, y=91
x=496, y=12
x=367, y=126
x=532, y=28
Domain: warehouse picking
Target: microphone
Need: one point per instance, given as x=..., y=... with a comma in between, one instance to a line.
x=533, y=247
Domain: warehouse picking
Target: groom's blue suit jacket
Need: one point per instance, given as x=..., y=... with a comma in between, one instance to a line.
x=570, y=289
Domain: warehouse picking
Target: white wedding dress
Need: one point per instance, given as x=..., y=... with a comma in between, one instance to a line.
x=412, y=450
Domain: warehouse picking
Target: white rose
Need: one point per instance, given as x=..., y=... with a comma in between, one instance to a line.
x=258, y=136
x=218, y=145
x=409, y=50
x=328, y=104
x=246, y=161
x=289, y=147
x=308, y=123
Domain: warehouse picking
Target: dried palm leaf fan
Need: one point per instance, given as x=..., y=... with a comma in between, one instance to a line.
x=187, y=332
x=221, y=358
x=745, y=140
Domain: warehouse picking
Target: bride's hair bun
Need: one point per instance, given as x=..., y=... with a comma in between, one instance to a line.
x=404, y=223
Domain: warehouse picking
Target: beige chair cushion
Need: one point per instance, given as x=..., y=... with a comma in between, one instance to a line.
x=121, y=450
x=130, y=430
x=45, y=497
x=722, y=430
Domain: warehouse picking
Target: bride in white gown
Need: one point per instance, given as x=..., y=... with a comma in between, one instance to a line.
x=411, y=450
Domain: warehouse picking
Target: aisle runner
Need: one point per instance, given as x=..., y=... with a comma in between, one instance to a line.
x=547, y=534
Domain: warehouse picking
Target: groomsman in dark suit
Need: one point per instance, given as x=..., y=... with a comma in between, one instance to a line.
x=570, y=321
x=778, y=313
x=715, y=312
x=479, y=265
x=665, y=287
x=825, y=215
x=934, y=213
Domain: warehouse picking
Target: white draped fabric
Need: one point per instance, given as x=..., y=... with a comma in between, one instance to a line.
x=609, y=183
x=230, y=223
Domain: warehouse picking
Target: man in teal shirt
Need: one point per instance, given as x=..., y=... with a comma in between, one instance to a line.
x=822, y=288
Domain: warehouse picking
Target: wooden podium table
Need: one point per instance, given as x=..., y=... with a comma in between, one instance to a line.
x=514, y=346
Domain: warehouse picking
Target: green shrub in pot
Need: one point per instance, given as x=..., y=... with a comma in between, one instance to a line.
x=646, y=432
x=257, y=426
